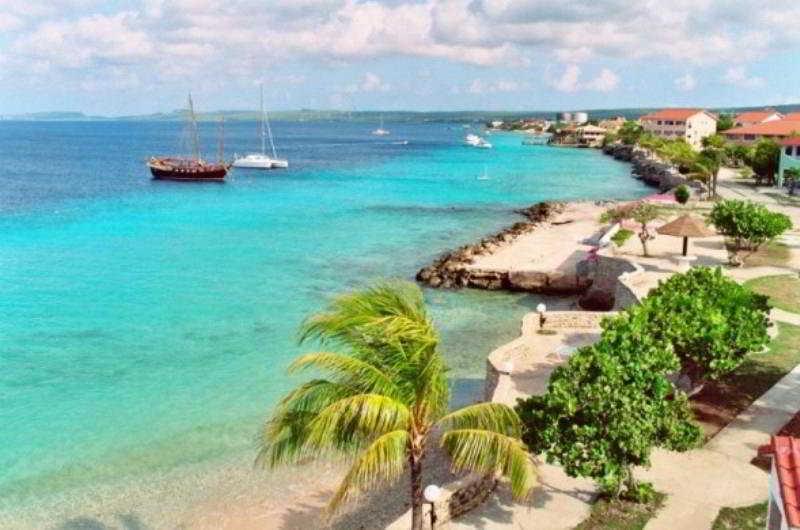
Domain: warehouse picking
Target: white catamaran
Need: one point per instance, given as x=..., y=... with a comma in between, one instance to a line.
x=262, y=160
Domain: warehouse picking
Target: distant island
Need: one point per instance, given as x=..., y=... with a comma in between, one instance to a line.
x=361, y=116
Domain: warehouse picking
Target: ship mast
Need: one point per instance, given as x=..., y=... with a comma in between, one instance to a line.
x=222, y=139
x=194, y=131
x=263, y=132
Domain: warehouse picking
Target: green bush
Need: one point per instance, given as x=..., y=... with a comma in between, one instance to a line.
x=609, y=406
x=622, y=235
x=711, y=322
x=682, y=194
x=747, y=225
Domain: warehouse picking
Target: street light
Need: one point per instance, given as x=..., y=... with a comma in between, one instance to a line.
x=541, y=309
x=432, y=493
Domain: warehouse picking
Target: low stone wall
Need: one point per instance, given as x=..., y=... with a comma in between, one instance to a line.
x=458, y=498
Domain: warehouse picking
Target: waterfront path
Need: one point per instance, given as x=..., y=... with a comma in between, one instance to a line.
x=700, y=482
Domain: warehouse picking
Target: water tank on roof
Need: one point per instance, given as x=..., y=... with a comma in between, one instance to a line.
x=580, y=117
x=564, y=116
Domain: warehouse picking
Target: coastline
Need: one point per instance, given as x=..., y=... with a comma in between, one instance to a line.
x=190, y=495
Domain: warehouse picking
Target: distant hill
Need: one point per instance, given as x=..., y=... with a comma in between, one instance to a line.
x=363, y=116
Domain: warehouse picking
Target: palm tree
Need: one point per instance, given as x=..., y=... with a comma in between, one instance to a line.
x=384, y=393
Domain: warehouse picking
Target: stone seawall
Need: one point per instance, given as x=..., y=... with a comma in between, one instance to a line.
x=453, y=270
x=648, y=167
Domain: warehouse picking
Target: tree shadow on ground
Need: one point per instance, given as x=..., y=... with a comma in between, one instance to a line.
x=127, y=521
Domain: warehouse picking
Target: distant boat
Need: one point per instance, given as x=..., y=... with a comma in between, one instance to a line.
x=192, y=168
x=473, y=140
x=380, y=131
x=262, y=160
x=485, y=176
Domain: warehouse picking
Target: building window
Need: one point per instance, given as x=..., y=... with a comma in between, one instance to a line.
x=788, y=150
x=659, y=122
x=750, y=137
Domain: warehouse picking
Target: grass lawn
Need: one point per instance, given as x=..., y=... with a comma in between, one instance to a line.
x=783, y=290
x=772, y=253
x=608, y=514
x=748, y=518
x=721, y=401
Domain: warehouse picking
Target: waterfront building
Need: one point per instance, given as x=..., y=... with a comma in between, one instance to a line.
x=746, y=119
x=783, y=511
x=691, y=125
x=612, y=124
x=590, y=135
x=790, y=157
x=776, y=130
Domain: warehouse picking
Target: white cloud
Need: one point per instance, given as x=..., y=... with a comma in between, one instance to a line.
x=373, y=83
x=606, y=81
x=568, y=80
x=738, y=76
x=478, y=86
x=686, y=83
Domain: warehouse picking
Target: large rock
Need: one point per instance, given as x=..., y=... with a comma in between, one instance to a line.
x=598, y=299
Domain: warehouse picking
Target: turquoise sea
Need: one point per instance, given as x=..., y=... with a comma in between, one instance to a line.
x=145, y=326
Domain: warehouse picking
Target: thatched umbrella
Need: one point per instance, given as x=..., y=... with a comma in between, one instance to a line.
x=685, y=226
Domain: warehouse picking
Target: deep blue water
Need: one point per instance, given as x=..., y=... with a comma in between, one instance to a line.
x=146, y=325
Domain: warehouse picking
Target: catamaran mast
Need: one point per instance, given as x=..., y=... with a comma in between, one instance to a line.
x=222, y=140
x=194, y=131
x=263, y=132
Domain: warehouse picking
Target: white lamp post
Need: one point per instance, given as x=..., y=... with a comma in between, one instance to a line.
x=432, y=494
x=541, y=309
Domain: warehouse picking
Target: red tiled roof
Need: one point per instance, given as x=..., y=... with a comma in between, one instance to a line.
x=794, y=140
x=785, y=452
x=795, y=116
x=672, y=114
x=756, y=116
x=783, y=127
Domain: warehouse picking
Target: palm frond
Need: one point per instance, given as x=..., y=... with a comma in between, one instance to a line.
x=382, y=461
x=356, y=418
x=284, y=436
x=495, y=417
x=353, y=371
x=484, y=451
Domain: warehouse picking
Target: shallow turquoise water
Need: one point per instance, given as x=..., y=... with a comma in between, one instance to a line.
x=145, y=325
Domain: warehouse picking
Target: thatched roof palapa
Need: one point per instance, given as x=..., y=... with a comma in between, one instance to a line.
x=685, y=226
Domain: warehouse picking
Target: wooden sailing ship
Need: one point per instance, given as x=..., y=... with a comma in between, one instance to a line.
x=192, y=168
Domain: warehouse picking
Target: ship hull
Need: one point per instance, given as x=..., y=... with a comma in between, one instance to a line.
x=163, y=170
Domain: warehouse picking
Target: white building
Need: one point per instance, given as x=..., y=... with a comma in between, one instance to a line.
x=690, y=124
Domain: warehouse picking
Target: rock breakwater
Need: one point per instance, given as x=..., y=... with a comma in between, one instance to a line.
x=648, y=167
x=453, y=271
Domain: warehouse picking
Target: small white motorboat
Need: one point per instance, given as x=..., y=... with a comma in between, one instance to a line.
x=473, y=140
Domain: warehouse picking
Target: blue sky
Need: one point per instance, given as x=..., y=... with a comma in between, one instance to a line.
x=143, y=56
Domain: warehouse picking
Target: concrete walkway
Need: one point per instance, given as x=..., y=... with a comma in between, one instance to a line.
x=700, y=482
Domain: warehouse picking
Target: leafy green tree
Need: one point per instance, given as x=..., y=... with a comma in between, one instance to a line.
x=682, y=194
x=642, y=212
x=630, y=132
x=724, y=122
x=711, y=322
x=705, y=168
x=381, y=396
x=651, y=141
x=747, y=226
x=609, y=406
x=764, y=158
x=679, y=153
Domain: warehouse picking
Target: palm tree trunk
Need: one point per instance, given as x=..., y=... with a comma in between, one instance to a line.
x=415, y=464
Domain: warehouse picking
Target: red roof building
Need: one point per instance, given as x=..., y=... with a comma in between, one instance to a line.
x=691, y=125
x=784, y=482
x=745, y=119
x=777, y=130
x=793, y=116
